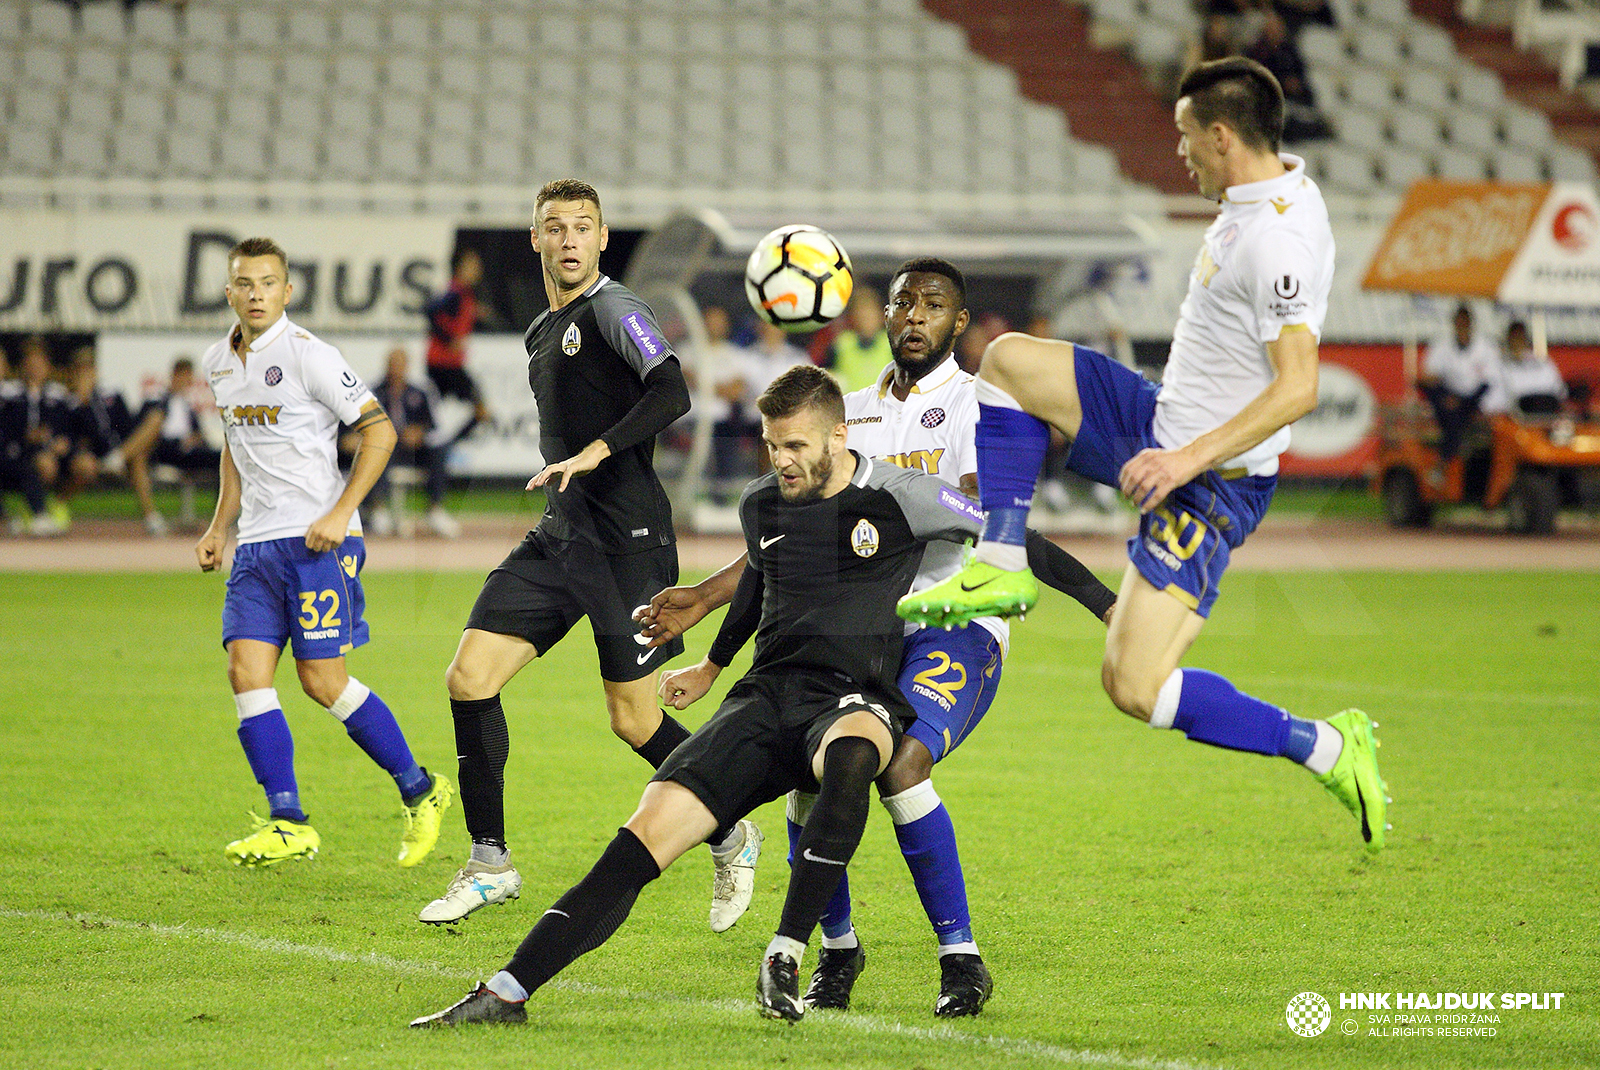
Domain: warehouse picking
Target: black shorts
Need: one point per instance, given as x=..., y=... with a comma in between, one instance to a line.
x=760, y=743
x=545, y=586
x=201, y=458
x=455, y=383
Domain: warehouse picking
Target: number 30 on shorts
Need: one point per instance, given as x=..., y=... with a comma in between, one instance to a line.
x=325, y=617
x=1181, y=533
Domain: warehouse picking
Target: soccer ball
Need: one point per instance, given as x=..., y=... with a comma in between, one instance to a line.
x=798, y=278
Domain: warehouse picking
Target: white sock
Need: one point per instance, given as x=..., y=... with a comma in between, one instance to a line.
x=965, y=948
x=1002, y=555
x=255, y=703
x=783, y=945
x=913, y=804
x=1325, y=754
x=490, y=855
x=835, y=943
x=507, y=987
x=350, y=699
x=1166, y=707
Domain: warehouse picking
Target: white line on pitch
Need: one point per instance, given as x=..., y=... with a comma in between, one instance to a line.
x=858, y=1023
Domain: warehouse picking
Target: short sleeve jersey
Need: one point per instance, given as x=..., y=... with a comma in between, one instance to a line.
x=933, y=430
x=281, y=408
x=587, y=363
x=833, y=568
x=1265, y=266
x=1462, y=369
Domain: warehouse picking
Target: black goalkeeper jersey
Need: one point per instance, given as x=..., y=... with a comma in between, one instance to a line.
x=829, y=571
x=589, y=364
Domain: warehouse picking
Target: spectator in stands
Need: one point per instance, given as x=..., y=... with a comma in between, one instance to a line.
x=1457, y=370
x=168, y=433
x=101, y=423
x=48, y=421
x=722, y=363
x=1527, y=383
x=411, y=411
x=1275, y=49
x=452, y=316
x=860, y=351
x=1298, y=13
x=759, y=364
x=19, y=470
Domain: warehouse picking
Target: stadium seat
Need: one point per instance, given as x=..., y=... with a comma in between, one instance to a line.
x=38, y=105
x=1391, y=12
x=458, y=74
x=1517, y=165
x=450, y=158
x=308, y=27
x=1377, y=44
x=293, y=155
x=406, y=74
x=460, y=31
x=208, y=26
x=703, y=162
x=1473, y=129
x=52, y=22
x=45, y=63
x=1460, y=164
x=1368, y=87
x=194, y=109
x=1415, y=128
x=255, y=68
x=398, y=159
x=1429, y=44
x=350, y=159
x=1402, y=166
x=143, y=109
x=1568, y=164
x=156, y=24
x=558, y=32
x=260, y=25
x=89, y=107
x=191, y=153
x=1349, y=168
x=1358, y=127
x=352, y=115
x=246, y=111
x=943, y=40
x=1478, y=87
x=242, y=154
x=358, y=28
x=1323, y=46
x=409, y=30
x=134, y=153
x=355, y=71
x=1326, y=86
x=501, y=161
x=1526, y=127
x=205, y=68
x=1426, y=88
x=505, y=115
x=851, y=40
x=30, y=150
x=99, y=22
x=305, y=69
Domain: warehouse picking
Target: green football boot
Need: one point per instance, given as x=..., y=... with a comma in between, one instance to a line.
x=1354, y=778
x=274, y=841
x=978, y=590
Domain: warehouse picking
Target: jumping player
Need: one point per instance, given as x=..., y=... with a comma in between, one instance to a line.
x=1198, y=454
x=832, y=537
x=606, y=383
x=920, y=414
x=297, y=571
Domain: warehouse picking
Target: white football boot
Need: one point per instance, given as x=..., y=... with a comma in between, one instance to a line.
x=474, y=886
x=733, y=880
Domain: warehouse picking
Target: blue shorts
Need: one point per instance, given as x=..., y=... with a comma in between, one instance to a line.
x=1184, y=543
x=950, y=680
x=280, y=590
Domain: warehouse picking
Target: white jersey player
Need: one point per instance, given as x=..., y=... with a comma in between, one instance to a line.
x=296, y=575
x=1198, y=455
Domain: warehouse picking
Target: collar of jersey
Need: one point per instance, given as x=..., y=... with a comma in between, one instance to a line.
x=266, y=339
x=1266, y=189
x=863, y=470
x=599, y=282
x=887, y=377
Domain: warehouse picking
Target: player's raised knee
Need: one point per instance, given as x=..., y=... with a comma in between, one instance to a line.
x=467, y=681
x=1129, y=693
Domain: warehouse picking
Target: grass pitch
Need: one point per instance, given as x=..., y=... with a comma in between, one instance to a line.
x=1143, y=901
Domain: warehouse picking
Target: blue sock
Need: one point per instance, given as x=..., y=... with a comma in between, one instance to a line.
x=376, y=731
x=929, y=846
x=1011, y=448
x=270, y=750
x=1211, y=710
x=836, y=918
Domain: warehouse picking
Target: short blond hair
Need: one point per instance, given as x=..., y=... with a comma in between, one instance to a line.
x=568, y=189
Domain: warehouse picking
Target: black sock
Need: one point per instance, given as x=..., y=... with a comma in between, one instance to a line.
x=588, y=914
x=482, y=744
x=831, y=834
x=655, y=749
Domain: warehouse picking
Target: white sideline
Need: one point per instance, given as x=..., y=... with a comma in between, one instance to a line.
x=868, y=1024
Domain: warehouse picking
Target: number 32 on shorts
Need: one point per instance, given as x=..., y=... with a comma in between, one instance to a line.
x=327, y=617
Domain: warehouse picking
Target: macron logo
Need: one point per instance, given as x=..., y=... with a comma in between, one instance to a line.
x=646, y=339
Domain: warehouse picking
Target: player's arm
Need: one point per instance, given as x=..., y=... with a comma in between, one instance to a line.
x=1059, y=569
x=680, y=688
x=665, y=399
x=675, y=610
x=1152, y=474
x=208, y=551
x=372, y=454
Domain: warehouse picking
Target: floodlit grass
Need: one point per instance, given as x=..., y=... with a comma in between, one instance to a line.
x=1141, y=900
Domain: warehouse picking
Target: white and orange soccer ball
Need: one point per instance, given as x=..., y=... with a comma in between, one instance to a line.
x=798, y=278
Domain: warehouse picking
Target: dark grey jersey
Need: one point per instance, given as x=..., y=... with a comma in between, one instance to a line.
x=831, y=570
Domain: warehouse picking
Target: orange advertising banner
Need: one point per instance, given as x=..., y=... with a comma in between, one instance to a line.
x=1455, y=238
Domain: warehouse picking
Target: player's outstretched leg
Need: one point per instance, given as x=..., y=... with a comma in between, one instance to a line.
x=733, y=873
x=995, y=581
x=372, y=727
x=832, y=833
x=287, y=832
x=841, y=959
x=482, y=746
